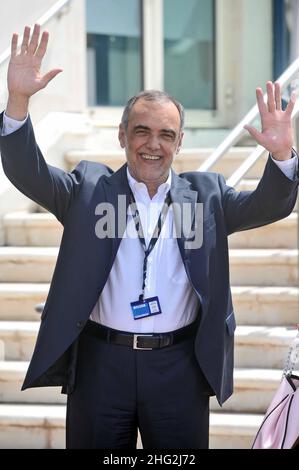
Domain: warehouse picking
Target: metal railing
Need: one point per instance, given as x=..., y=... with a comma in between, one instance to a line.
x=57, y=9
x=289, y=77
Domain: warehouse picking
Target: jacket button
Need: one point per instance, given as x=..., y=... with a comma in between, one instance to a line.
x=79, y=324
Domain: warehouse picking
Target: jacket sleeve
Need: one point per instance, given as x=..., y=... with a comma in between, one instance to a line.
x=273, y=199
x=25, y=166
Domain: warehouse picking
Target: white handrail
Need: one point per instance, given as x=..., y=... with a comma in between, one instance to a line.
x=236, y=177
x=56, y=8
x=238, y=131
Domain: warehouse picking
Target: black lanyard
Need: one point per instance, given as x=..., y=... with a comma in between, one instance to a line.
x=156, y=234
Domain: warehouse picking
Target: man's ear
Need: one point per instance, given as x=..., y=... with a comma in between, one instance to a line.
x=122, y=136
x=180, y=143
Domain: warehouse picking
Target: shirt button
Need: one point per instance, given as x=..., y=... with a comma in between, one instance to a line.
x=79, y=324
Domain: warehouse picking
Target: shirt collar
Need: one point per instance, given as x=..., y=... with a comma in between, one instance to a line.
x=137, y=186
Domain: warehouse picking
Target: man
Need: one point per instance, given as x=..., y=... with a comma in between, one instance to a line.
x=139, y=330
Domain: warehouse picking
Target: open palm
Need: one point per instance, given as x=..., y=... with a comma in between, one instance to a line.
x=277, y=134
x=24, y=71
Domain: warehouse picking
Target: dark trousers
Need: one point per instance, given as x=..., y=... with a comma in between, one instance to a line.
x=162, y=392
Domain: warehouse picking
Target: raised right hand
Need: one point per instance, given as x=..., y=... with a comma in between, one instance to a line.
x=24, y=76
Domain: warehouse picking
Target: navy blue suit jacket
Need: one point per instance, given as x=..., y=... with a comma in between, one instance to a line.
x=84, y=260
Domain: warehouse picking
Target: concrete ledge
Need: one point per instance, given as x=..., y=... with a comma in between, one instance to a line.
x=12, y=374
x=42, y=229
x=27, y=264
x=262, y=346
x=256, y=305
x=233, y=430
x=19, y=339
x=253, y=391
x=264, y=267
x=281, y=234
x=32, y=426
x=18, y=301
x=272, y=306
x=32, y=229
x=248, y=267
x=38, y=426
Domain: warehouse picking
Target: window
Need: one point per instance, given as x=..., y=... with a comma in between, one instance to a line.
x=189, y=52
x=155, y=44
x=113, y=51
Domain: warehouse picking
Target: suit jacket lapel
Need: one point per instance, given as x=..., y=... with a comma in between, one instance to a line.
x=184, y=202
x=117, y=191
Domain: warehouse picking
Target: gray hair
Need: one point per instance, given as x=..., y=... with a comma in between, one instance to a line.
x=152, y=95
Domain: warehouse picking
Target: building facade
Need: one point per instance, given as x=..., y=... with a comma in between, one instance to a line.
x=209, y=54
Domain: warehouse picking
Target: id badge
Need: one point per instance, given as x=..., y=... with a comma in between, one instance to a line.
x=146, y=308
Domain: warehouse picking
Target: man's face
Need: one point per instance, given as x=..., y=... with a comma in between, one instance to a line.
x=152, y=139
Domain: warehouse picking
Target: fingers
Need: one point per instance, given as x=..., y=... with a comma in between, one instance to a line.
x=49, y=76
x=277, y=92
x=291, y=104
x=271, y=98
x=14, y=44
x=255, y=134
x=25, y=42
x=41, y=50
x=260, y=101
x=33, y=46
x=34, y=40
x=274, y=102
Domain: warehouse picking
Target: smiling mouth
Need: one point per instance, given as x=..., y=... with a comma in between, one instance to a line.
x=147, y=156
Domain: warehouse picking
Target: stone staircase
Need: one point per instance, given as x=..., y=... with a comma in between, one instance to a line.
x=264, y=278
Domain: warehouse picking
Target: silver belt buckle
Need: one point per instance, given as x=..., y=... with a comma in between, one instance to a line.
x=135, y=341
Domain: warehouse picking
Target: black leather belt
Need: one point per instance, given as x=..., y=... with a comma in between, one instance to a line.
x=143, y=341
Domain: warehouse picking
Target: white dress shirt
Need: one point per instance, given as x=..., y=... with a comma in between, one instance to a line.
x=166, y=275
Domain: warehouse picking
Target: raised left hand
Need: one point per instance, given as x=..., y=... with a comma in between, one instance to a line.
x=277, y=133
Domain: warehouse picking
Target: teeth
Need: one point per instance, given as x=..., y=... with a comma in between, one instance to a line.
x=150, y=157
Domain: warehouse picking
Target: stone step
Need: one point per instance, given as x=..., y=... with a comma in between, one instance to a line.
x=19, y=339
x=281, y=234
x=255, y=346
x=12, y=374
x=253, y=389
x=188, y=160
x=43, y=427
x=18, y=301
x=32, y=426
x=253, y=304
x=31, y=229
x=42, y=229
x=27, y=264
x=233, y=430
x=270, y=306
x=263, y=346
x=262, y=267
